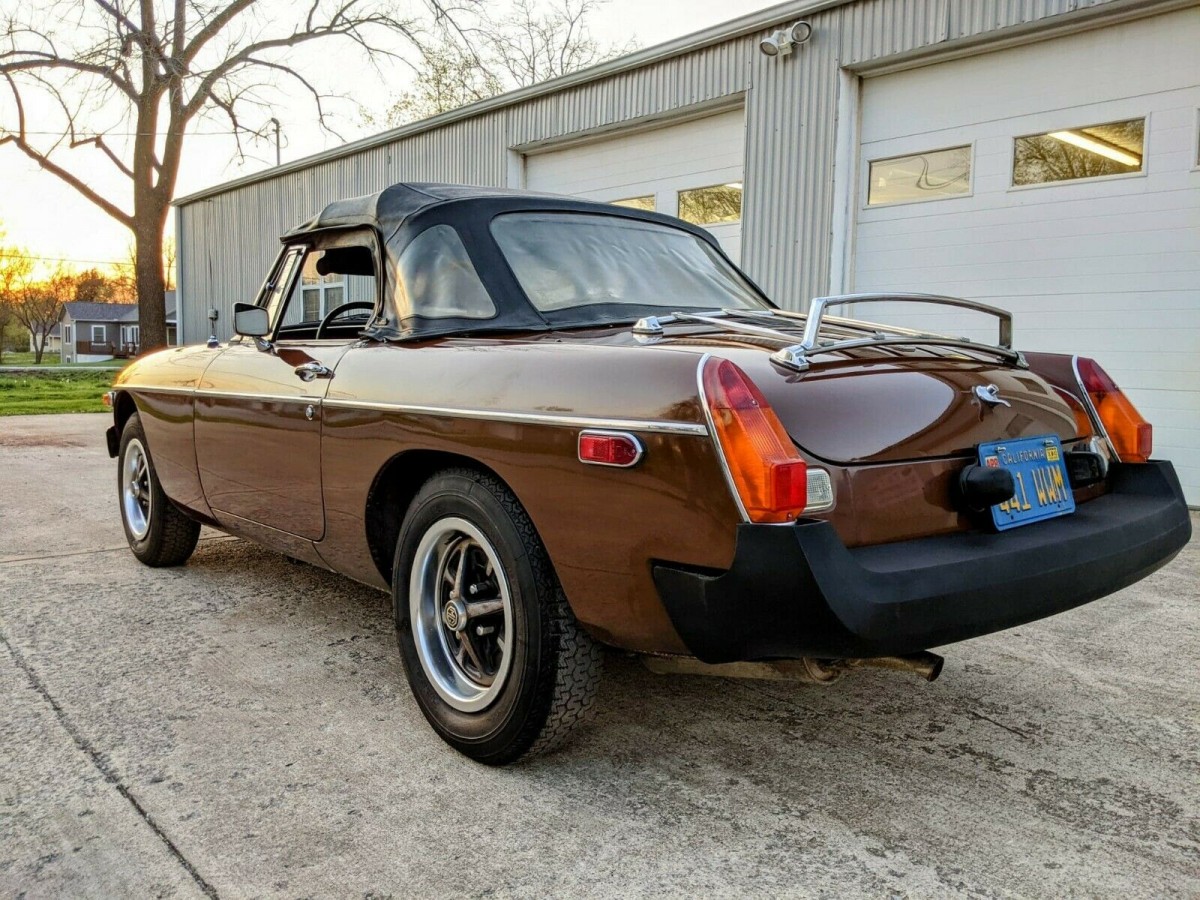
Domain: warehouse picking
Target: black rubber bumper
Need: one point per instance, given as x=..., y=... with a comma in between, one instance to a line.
x=798, y=591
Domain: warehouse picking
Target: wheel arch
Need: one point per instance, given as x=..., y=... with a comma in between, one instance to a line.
x=393, y=489
x=124, y=407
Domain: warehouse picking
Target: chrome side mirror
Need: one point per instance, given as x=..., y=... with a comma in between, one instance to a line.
x=250, y=320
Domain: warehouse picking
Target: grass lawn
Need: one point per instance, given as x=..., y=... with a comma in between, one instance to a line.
x=52, y=360
x=57, y=390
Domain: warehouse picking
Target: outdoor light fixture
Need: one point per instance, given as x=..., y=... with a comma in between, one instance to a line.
x=782, y=41
x=1093, y=145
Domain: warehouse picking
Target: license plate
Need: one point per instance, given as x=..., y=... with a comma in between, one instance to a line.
x=1037, y=467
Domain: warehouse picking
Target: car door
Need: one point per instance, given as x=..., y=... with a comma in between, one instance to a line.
x=258, y=408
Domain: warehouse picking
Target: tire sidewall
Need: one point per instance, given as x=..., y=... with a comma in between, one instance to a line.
x=520, y=704
x=144, y=547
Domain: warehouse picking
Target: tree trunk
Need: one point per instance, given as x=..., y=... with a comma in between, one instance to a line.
x=151, y=216
x=39, y=347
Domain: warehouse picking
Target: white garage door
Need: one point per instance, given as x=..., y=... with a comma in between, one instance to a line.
x=692, y=170
x=1059, y=180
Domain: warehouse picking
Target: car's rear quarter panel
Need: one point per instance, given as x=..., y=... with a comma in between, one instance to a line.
x=602, y=526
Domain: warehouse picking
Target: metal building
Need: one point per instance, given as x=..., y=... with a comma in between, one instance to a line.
x=1042, y=155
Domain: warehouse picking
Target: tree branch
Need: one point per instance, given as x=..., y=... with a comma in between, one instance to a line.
x=32, y=60
x=20, y=141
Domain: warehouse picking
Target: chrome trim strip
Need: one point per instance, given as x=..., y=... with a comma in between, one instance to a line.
x=527, y=418
x=796, y=358
x=249, y=395
x=154, y=389
x=599, y=432
x=712, y=434
x=1093, y=413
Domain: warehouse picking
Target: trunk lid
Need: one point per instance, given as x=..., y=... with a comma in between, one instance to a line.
x=878, y=407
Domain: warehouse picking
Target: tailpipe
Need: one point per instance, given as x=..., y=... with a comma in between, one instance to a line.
x=927, y=665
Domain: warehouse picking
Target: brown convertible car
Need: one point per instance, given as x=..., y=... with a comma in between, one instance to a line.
x=545, y=425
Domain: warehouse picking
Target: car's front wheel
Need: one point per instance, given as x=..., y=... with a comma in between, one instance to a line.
x=493, y=654
x=158, y=533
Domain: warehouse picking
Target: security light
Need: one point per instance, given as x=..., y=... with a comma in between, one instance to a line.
x=781, y=42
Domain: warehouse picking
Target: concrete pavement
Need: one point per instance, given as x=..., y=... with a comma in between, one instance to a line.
x=241, y=727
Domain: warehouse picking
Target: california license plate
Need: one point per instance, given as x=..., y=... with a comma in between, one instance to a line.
x=1040, y=475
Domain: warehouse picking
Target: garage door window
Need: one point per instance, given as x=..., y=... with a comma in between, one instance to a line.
x=644, y=203
x=1068, y=154
x=718, y=204
x=932, y=175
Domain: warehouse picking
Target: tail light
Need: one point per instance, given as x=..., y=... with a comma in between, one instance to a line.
x=1132, y=437
x=1083, y=419
x=768, y=474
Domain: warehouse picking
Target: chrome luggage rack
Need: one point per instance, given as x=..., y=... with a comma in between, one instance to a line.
x=796, y=357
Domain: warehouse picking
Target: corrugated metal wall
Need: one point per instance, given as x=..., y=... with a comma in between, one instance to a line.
x=227, y=240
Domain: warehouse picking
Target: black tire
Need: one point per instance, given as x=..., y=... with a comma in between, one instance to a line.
x=164, y=536
x=550, y=683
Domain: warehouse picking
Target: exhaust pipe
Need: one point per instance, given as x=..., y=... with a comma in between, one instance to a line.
x=807, y=670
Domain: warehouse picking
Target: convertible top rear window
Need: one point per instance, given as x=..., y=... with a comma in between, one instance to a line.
x=567, y=260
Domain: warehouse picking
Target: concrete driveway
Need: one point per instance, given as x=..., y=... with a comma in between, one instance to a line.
x=241, y=727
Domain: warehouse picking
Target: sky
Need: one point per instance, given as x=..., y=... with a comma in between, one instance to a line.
x=55, y=223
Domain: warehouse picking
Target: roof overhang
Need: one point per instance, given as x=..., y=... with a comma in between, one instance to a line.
x=725, y=31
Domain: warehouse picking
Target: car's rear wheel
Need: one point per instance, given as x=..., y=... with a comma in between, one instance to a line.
x=158, y=533
x=493, y=654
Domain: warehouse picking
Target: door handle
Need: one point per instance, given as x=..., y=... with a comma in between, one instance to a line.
x=312, y=370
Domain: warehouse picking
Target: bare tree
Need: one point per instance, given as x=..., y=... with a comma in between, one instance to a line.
x=530, y=44
x=38, y=305
x=534, y=45
x=126, y=78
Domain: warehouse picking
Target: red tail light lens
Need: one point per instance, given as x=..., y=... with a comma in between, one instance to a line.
x=1131, y=435
x=604, y=448
x=769, y=475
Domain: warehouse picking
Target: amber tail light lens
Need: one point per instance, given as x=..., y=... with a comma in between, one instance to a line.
x=769, y=475
x=1131, y=435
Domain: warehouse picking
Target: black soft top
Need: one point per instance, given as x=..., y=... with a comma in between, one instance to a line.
x=399, y=213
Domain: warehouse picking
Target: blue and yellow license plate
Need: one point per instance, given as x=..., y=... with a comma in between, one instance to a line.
x=1037, y=467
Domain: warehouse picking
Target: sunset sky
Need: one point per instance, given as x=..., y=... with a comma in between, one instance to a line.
x=54, y=223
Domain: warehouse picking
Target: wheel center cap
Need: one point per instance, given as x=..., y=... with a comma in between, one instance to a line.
x=454, y=615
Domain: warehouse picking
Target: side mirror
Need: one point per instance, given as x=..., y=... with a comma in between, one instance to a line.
x=250, y=320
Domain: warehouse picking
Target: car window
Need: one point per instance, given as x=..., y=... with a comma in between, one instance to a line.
x=335, y=276
x=276, y=288
x=437, y=280
x=566, y=260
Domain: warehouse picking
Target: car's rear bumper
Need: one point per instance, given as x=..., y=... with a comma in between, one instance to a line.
x=797, y=591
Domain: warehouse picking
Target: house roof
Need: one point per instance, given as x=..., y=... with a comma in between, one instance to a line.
x=87, y=311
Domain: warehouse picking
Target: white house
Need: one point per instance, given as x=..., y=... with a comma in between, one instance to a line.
x=92, y=332
x=1042, y=156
